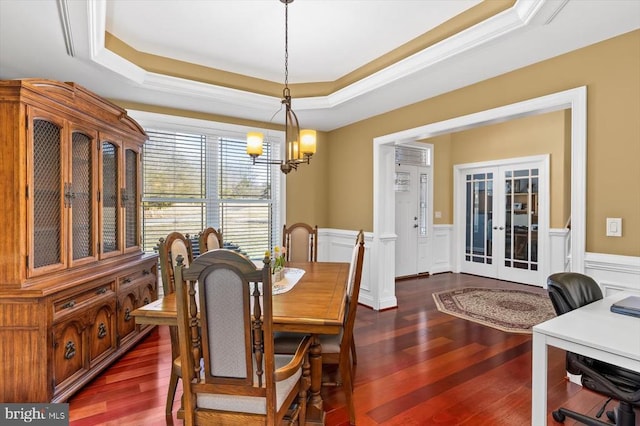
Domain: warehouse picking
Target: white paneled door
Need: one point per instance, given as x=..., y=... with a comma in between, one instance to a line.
x=412, y=186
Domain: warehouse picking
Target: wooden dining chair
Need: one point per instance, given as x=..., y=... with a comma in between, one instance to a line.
x=351, y=280
x=231, y=375
x=338, y=349
x=175, y=244
x=301, y=242
x=210, y=239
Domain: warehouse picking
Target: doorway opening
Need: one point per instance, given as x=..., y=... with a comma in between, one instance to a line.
x=382, y=292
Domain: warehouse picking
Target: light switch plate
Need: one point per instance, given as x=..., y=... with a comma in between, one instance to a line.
x=614, y=227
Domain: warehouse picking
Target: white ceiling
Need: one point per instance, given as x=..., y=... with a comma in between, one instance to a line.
x=327, y=39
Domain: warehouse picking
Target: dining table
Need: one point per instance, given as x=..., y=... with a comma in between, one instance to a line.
x=315, y=306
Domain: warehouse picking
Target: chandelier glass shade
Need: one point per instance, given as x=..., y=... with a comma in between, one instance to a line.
x=300, y=145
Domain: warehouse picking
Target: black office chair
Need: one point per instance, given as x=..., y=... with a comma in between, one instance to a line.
x=569, y=291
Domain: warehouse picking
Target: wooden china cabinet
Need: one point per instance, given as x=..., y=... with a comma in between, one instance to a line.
x=71, y=264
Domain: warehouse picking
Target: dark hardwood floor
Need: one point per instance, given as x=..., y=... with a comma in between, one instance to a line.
x=416, y=366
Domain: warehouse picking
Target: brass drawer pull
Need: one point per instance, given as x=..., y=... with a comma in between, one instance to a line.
x=102, y=290
x=127, y=314
x=127, y=280
x=146, y=301
x=69, y=350
x=69, y=304
x=146, y=272
x=102, y=330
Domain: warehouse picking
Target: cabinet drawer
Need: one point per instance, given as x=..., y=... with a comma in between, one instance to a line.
x=134, y=275
x=73, y=302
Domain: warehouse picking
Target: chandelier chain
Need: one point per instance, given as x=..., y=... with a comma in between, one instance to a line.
x=286, y=46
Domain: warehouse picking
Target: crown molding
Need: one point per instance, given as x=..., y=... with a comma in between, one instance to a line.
x=63, y=13
x=499, y=25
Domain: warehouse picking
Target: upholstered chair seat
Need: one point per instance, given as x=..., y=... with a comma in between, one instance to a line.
x=253, y=404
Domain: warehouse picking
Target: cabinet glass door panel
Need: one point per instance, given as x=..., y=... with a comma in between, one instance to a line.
x=81, y=197
x=48, y=207
x=110, y=205
x=130, y=199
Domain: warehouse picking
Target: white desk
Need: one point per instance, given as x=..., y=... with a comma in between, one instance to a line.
x=592, y=330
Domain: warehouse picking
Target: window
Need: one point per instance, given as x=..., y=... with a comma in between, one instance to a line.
x=192, y=181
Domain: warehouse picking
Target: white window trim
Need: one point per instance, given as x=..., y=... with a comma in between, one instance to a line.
x=216, y=129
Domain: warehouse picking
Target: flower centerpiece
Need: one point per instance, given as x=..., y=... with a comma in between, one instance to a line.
x=277, y=266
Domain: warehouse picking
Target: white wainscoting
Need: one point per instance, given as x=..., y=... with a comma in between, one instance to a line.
x=613, y=272
x=559, y=256
x=442, y=249
x=336, y=245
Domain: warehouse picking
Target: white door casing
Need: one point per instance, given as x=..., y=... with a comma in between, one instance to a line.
x=382, y=290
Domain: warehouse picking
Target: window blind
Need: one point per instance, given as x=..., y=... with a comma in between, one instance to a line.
x=173, y=196
x=245, y=199
x=194, y=181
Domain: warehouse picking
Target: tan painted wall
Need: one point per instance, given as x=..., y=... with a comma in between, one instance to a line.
x=535, y=135
x=442, y=179
x=307, y=188
x=610, y=71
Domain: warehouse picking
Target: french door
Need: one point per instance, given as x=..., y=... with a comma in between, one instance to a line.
x=504, y=213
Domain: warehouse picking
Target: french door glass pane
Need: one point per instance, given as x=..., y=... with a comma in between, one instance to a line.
x=479, y=218
x=521, y=213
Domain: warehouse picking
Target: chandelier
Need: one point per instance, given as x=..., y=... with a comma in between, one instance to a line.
x=300, y=145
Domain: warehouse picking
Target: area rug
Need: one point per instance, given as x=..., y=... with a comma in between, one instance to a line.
x=515, y=311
